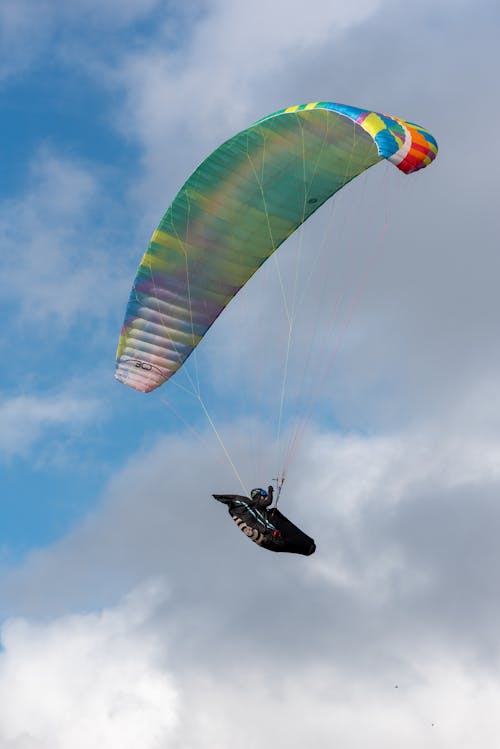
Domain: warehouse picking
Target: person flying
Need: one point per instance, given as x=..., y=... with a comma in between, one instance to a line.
x=266, y=525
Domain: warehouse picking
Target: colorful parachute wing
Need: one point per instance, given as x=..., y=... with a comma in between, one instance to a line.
x=235, y=210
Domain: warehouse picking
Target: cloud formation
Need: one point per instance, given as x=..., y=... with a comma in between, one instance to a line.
x=53, y=263
x=29, y=28
x=26, y=419
x=394, y=617
x=403, y=522
x=86, y=680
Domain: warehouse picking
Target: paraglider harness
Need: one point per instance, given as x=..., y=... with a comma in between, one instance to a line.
x=264, y=525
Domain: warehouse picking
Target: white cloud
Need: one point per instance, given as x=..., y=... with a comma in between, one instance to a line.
x=26, y=419
x=22, y=20
x=87, y=680
x=303, y=646
x=108, y=679
x=228, y=71
x=390, y=514
x=436, y=704
x=55, y=264
x=28, y=28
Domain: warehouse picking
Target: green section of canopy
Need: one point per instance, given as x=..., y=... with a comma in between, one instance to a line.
x=233, y=212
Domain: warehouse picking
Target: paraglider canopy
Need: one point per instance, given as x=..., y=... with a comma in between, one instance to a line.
x=235, y=210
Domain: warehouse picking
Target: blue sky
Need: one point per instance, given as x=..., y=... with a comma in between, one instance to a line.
x=56, y=120
x=127, y=598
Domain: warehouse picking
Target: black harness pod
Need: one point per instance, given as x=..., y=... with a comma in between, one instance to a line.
x=267, y=528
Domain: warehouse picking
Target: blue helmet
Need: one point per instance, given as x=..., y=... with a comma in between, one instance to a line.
x=257, y=493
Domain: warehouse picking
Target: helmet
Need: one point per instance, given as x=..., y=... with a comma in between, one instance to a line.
x=257, y=493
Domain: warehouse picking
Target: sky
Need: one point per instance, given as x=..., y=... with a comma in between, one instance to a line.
x=132, y=611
